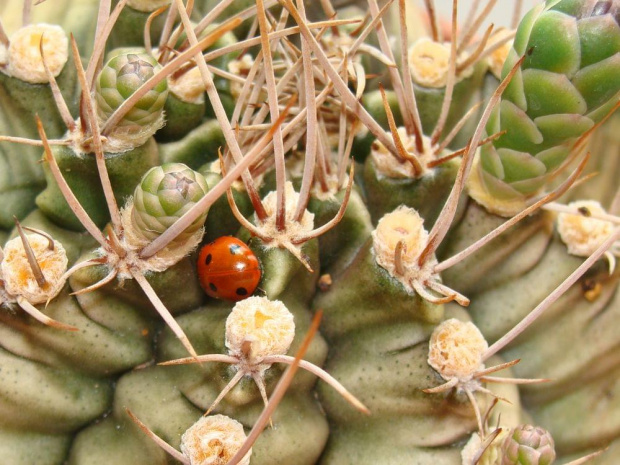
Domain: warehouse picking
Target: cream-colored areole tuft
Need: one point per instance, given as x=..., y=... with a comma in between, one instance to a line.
x=24, y=55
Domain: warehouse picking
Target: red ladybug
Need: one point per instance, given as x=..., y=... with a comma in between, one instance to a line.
x=228, y=269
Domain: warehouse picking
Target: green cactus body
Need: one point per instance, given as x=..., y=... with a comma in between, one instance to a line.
x=602, y=148
x=126, y=170
x=552, y=100
x=388, y=193
x=19, y=182
x=531, y=260
x=36, y=99
x=65, y=395
x=196, y=148
x=221, y=221
x=129, y=29
x=285, y=279
x=336, y=249
x=181, y=117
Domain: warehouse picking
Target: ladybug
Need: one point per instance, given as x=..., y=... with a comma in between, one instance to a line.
x=228, y=269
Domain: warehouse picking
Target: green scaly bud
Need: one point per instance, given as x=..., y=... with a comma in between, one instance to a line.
x=529, y=445
x=164, y=195
x=119, y=79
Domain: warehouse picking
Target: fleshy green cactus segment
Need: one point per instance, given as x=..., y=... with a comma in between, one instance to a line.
x=529, y=445
x=119, y=79
x=80, y=172
x=21, y=447
x=568, y=81
x=164, y=195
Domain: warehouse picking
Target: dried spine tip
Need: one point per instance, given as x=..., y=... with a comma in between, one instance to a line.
x=581, y=233
x=386, y=164
x=429, y=63
x=216, y=167
x=267, y=326
x=17, y=274
x=456, y=349
x=24, y=53
x=214, y=440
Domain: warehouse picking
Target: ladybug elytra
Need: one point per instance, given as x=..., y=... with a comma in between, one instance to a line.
x=228, y=269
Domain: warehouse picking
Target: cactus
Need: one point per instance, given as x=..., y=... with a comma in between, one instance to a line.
x=402, y=204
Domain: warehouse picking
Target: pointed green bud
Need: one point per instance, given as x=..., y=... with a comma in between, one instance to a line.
x=119, y=79
x=529, y=445
x=164, y=195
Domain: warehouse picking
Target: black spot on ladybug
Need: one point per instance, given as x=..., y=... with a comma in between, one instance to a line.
x=242, y=291
x=208, y=259
x=213, y=287
x=234, y=249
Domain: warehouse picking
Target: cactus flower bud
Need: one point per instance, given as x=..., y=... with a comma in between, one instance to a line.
x=529, y=445
x=118, y=80
x=164, y=195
